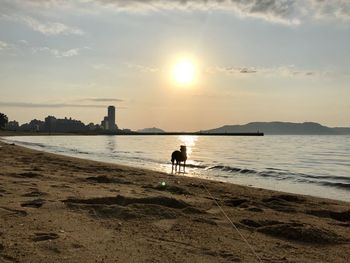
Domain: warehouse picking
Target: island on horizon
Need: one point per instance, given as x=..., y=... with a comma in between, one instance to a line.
x=53, y=125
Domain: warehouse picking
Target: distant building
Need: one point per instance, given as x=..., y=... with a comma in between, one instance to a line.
x=63, y=125
x=108, y=122
x=36, y=125
x=105, y=123
x=50, y=124
x=111, y=118
x=12, y=126
x=54, y=125
x=93, y=127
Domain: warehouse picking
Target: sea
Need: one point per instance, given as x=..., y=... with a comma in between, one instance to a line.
x=310, y=165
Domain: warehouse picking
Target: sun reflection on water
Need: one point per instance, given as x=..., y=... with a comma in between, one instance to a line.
x=189, y=141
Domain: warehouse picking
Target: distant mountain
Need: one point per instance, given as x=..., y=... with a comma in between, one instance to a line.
x=151, y=130
x=281, y=128
x=342, y=130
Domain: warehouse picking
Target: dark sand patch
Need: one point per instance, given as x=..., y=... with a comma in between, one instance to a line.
x=169, y=188
x=121, y=207
x=124, y=201
x=44, y=236
x=339, y=216
x=34, y=194
x=36, y=203
x=8, y=258
x=293, y=231
x=102, y=179
x=281, y=203
x=11, y=211
x=29, y=175
x=255, y=209
x=302, y=233
x=234, y=202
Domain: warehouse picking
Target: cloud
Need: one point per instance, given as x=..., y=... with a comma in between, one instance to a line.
x=7, y=48
x=282, y=71
x=231, y=70
x=47, y=28
x=57, y=53
x=286, y=12
x=334, y=9
x=142, y=68
x=103, y=99
x=49, y=105
x=51, y=28
x=3, y=45
x=247, y=70
x=23, y=42
x=280, y=11
x=100, y=66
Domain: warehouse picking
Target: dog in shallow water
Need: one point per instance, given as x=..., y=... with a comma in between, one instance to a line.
x=177, y=157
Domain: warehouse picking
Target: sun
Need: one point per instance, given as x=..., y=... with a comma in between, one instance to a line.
x=184, y=72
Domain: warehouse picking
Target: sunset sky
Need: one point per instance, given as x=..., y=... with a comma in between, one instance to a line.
x=251, y=60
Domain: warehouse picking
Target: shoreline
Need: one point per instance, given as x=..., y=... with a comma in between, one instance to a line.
x=315, y=189
x=23, y=133
x=61, y=207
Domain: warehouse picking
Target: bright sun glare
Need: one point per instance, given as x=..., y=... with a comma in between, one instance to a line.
x=184, y=72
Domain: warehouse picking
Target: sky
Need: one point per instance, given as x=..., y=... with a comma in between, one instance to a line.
x=254, y=60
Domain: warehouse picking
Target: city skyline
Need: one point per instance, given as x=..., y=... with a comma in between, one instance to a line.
x=233, y=62
x=67, y=124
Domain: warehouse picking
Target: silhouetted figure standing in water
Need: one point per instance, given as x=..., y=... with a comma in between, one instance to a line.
x=177, y=157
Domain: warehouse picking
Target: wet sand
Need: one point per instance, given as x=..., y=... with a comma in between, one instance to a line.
x=61, y=209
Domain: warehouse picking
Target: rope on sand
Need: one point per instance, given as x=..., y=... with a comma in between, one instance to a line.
x=233, y=225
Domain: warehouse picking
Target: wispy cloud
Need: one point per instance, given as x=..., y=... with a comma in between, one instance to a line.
x=49, y=105
x=142, y=68
x=230, y=70
x=58, y=53
x=8, y=48
x=103, y=99
x=280, y=11
x=282, y=71
x=333, y=9
x=100, y=66
x=3, y=45
x=51, y=28
x=287, y=12
x=47, y=28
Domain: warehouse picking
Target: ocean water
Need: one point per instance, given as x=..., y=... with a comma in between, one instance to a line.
x=310, y=165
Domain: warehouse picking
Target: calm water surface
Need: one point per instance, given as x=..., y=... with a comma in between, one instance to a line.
x=312, y=165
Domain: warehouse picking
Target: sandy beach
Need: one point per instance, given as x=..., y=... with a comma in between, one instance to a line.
x=61, y=209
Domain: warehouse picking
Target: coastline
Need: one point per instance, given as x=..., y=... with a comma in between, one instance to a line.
x=57, y=207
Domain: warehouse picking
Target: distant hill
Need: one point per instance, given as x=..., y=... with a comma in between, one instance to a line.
x=151, y=130
x=281, y=128
x=342, y=130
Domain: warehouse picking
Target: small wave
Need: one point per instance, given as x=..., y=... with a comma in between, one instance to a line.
x=29, y=144
x=276, y=175
x=274, y=169
x=79, y=151
x=232, y=169
x=333, y=177
x=190, y=165
x=338, y=185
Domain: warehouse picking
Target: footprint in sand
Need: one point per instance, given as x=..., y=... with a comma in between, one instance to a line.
x=35, y=193
x=293, y=231
x=36, y=203
x=44, y=236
